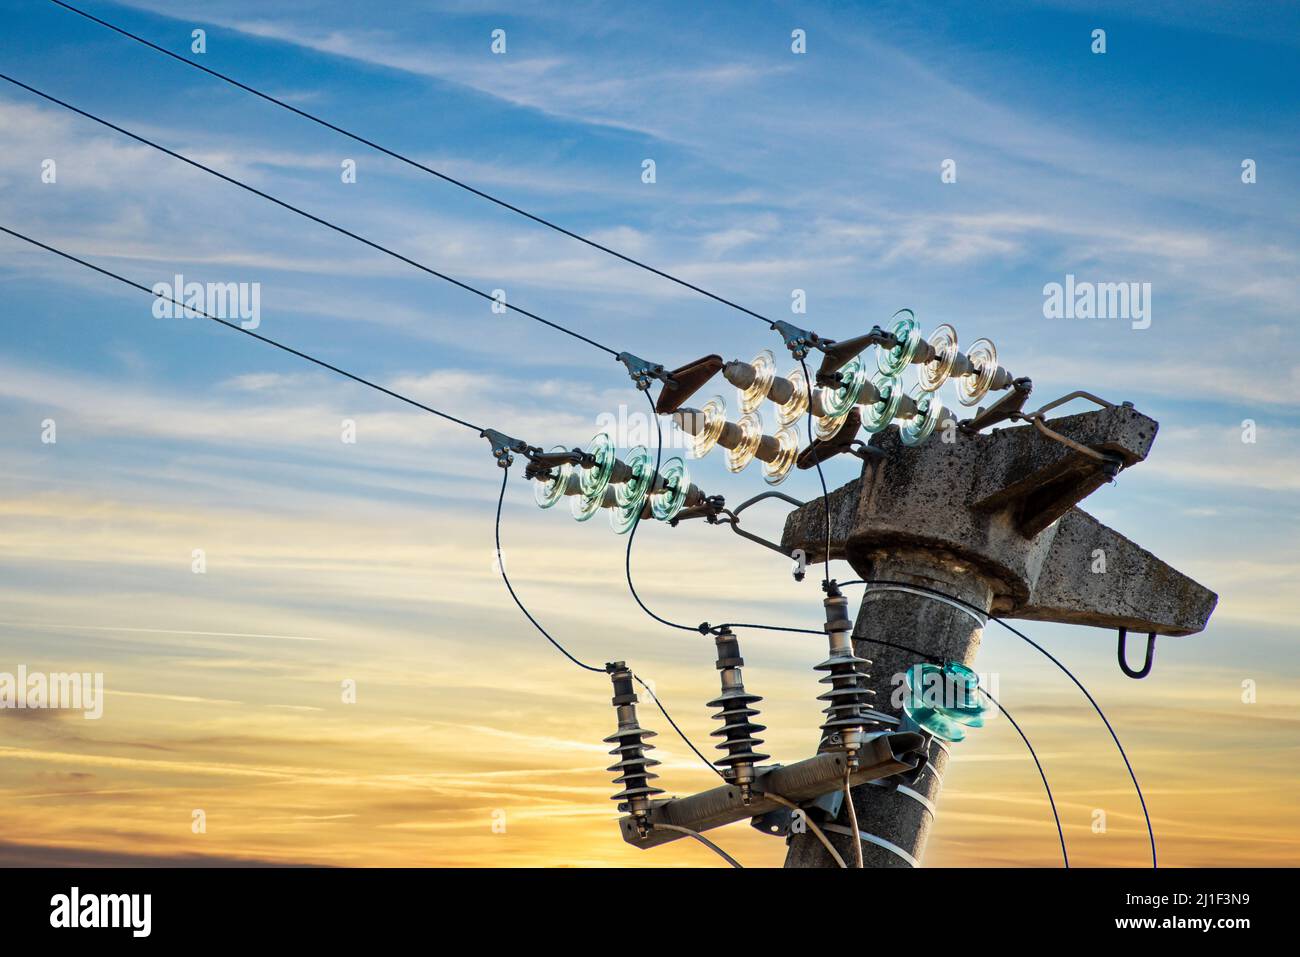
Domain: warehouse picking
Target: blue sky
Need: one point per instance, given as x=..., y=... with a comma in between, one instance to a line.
x=774, y=172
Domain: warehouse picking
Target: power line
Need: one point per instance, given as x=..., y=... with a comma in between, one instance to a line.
x=826, y=498
x=313, y=217
x=703, y=840
x=414, y=163
x=1091, y=700
x=238, y=328
x=636, y=523
x=396, y=395
x=1041, y=773
x=680, y=733
x=501, y=565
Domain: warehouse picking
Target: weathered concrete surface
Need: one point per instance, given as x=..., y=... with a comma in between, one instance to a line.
x=901, y=818
x=990, y=519
x=1136, y=591
x=1005, y=504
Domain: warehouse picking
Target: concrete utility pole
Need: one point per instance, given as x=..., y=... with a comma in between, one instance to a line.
x=990, y=519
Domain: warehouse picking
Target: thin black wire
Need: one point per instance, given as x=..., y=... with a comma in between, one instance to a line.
x=929, y=657
x=505, y=474
x=703, y=840
x=413, y=163
x=1041, y=773
x=826, y=497
x=238, y=328
x=925, y=656
x=545, y=634
x=1091, y=700
x=680, y=733
x=409, y=401
x=632, y=532
x=636, y=523
x=302, y=212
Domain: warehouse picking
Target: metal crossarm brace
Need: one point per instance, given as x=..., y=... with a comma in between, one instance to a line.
x=883, y=755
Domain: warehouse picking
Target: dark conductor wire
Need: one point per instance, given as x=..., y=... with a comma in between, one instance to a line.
x=562, y=650
x=505, y=474
x=1052, y=658
x=636, y=523
x=1060, y=833
x=659, y=452
x=409, y=401
x=413, y=163
x=1015, y=631
x=680, y=733
x=313, y=217
x=926, y=656
x=238, y=328
x=419, y=405
x=826, y=497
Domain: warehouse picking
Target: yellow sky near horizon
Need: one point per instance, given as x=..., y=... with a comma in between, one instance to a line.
x=224, y=694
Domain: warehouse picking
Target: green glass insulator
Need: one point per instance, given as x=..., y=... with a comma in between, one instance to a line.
x=944, y=699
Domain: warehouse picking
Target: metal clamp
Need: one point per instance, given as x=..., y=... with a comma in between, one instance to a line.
x=1123, y=658
x=802, y=341
x=543, y=464
x=799, y=341
x=503, y=445
x=1007, y=407
x=643, y=373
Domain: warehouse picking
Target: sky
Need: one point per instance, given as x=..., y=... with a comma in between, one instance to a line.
x=471, y=742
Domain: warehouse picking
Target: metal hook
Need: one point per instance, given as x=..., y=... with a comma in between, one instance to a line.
x=1146, y=665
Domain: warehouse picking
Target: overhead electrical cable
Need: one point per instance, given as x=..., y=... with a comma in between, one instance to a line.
x=389, y=392
x=413, y=163
x=631, y=535
x=1052, y=658
x=342, y=230
x=238, y=328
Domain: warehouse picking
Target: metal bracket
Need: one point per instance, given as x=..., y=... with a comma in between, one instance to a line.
x=885, y=754
x=503, y=445
x=1110, y=464
x=799, y=341
x=1123, y=658
x=713, y=508
x=838, y=353
x=776, y=822
x=540, y=464
x=643, y=373
x=735, y=520
x=802, y=341
x=1001, y=410
x=845, y=440
x=709, y=510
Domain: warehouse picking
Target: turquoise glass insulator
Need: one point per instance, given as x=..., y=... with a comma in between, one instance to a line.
x=944, y=699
